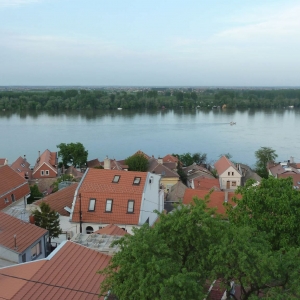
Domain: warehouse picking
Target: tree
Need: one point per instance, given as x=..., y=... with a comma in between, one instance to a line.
x=35, y=194
x=274, y=207
x=188, y=159
x=263, y=156
x=73, y=153
x=187, y=250
x=137, y=162
x=47, y=219
x=228, y=155
x=199, y=158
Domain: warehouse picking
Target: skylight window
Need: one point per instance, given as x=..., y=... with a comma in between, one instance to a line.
x=136, y=180
x=130, y=206
x=116, y=179
x=108, y=206
x=92, y=204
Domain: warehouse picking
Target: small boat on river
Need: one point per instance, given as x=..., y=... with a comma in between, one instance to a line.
x=119, y=108
x=232, y=123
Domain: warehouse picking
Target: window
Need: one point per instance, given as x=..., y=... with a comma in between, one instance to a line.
x=22, y=165
x=92, y=204
x=108, y=206
x=13, y=199
x=136, y=180
x=116, y=179
x=19, y=170
x=232, y=173
x=42, y=173
x=6, y=200
x=36, y=250
x=24, y=257
x=233, y=183
x=47, y=172
x=130, y=206
x=89, y=230
x=228, y=173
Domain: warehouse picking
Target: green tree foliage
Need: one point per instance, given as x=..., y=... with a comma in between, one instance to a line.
x=263, y=156
x=274, y=207
x=188, y=159
x=35, y=194
x=228, y=155
x=188, y=249
x=72, y=154
x=47, y=219
x=63, y=177
x=137, y=162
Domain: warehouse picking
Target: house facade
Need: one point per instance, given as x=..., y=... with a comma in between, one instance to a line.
x=46, y=165
x=126, y=199
x=21, y=241
x=13, y=187
x=21, y=166
x=3, y=162
x=230, y=175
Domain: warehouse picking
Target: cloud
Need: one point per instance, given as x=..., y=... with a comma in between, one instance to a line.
x=7, y=3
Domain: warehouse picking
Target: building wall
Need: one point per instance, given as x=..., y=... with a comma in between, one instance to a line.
x=19, y=194
x=168, y=182
x=153, y=199
x=225, y=177
x=9, y=254
x=27, y=252
x=43, y=168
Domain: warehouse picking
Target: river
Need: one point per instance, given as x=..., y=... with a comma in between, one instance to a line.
x=119, y=134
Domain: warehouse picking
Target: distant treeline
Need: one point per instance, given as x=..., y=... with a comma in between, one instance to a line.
x=150, y=99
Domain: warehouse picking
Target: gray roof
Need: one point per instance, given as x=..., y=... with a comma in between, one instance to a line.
x=177, y=192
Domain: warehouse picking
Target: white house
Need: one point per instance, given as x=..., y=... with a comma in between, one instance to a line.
x=230, y=176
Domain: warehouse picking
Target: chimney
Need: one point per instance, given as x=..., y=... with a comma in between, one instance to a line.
x=292, y=159
x=31, y=219
x=24, y=157
x=107, y=163
x=160, y=160
x=226, y=197
x=39, y=153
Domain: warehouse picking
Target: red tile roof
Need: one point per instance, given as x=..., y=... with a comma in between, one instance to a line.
x=223, y=164
x=142, y=153
x=47, y=157
x=26, y=233
x=60, y=199
x=9, y=180
x=93, y=163
x=204, y=183
x=170, y=158
x=112, y=230
x=21, y=165
x=216, y=199
x=3, y=161
x=69, y=273
x=157, y=168
x=98, y=184
x=295, y=177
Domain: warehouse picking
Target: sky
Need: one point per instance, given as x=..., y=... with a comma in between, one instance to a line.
x=150, y=42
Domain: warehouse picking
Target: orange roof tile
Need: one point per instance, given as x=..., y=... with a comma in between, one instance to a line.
x=60, y=199
x=204, y=183
x=48, y=158
x=26, y=233
x=98, y=184
x=216, y=199
x=9, y=180
x=223, y=164
x=112, y=229
x=69, y=273
x=170, y=158
x=21, y=165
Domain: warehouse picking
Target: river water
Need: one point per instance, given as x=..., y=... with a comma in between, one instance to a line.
x=119, y=134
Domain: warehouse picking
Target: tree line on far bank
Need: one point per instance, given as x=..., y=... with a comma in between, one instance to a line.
x=151, y=99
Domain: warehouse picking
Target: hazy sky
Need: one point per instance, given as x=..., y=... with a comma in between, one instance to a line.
x=150, y=42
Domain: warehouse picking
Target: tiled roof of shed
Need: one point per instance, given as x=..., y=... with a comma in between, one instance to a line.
x=112, y=229
x=69, y=273
x=26, y=233
x=60, y=199
x=9, y=179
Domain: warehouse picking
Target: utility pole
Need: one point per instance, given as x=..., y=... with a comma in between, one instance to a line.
x=80, y=214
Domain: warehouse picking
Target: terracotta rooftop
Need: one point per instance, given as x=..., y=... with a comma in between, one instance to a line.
x=60, y=199
x=157, y=168
x=50, y=158
x=142, y=153
x=216, y=199
x=3, y=161
x=170, y=158
x=70, y=272
x=279, y=169
x=93, y=163
x=26, y=233
x=204, y=183
x=73, y=172
x=9, y=180
x=223, y=164
x=295, y=177
x=112, y=229
x=21, y=165
x=98, y=184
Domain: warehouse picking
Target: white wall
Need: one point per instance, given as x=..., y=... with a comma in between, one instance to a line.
x=153, y=199
x=9, y=254
x=224, y=177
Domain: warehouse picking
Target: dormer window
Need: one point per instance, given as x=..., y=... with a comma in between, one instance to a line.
x=130, y=206
x=22, y=165
x=116, y=179
x=136, y=180
x=92, y=204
